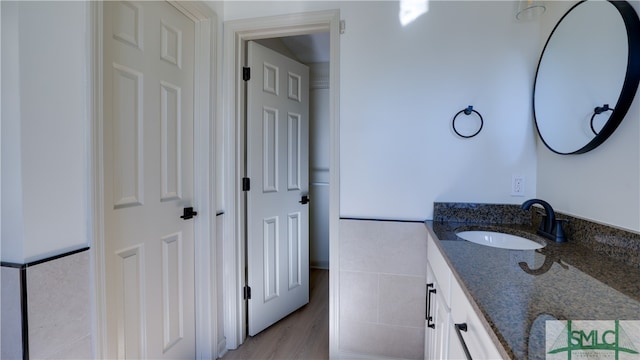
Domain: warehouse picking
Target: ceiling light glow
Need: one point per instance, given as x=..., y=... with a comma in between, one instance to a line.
x=410, y=10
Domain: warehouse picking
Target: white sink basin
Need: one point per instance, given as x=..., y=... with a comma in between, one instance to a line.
x=499, y=240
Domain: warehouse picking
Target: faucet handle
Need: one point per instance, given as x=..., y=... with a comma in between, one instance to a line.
x=559, y=231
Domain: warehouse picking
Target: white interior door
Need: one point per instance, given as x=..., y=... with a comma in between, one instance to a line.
x=148, y=168
x=277, y=164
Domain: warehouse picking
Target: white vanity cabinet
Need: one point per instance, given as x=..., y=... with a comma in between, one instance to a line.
x=447, y=305
x=437, y=321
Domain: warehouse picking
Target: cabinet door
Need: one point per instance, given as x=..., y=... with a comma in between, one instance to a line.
x=477, y=338
x=429, y=333
x=455, y=346
x=439, y=269
x=427, y=339
x=441, y=331
x=437, y=328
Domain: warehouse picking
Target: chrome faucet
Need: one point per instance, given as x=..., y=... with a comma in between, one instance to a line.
x=550, y=228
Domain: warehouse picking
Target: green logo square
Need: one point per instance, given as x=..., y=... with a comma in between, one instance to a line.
x=592, y=339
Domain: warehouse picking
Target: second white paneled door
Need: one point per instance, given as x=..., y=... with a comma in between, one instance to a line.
x=277, y=164
x=148, y=180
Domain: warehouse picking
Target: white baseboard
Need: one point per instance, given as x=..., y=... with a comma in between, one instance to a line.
x=222, y=347
x=347, y=355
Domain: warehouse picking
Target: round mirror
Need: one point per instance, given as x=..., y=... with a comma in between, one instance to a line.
x=587, y=76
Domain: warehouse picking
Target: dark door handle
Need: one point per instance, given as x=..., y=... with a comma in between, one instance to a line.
x=188, y=213
x=304, y=199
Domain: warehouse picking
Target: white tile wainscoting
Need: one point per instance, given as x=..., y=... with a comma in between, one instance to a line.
x=46, y=308
x=382, y=288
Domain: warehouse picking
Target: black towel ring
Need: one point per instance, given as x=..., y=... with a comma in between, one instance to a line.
x=467, y=111
x=597, y=111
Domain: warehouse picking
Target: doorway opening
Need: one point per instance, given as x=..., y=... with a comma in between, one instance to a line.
x=238, y=33
x=277, y=207
x=313, y=51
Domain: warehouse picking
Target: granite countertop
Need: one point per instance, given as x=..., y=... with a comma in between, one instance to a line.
x=517, y=290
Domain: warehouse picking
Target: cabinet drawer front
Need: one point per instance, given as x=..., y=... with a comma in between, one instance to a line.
x=440, y=269
x=481, y=345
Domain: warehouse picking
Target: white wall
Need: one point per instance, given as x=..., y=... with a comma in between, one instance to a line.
x=45, y=125
x=400, y=88
x=398, y=153
x=11, y=170
x=602, y=185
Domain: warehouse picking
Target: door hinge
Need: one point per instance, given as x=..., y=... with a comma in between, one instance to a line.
x=246, y=73
x=246, y=184
x=247, y=292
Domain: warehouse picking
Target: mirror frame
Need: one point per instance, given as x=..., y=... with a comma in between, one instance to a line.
x=629, y=86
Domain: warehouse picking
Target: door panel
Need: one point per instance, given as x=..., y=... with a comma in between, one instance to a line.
x=130, y=305
x=148, y=166
x=277, y=160
x=295, y=248
x=170, y=141
x=127, y=124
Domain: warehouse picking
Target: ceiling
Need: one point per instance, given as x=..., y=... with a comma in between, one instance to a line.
x=312, y=48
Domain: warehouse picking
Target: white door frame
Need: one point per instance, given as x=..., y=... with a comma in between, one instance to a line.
x=236, y=33
x=204, y=194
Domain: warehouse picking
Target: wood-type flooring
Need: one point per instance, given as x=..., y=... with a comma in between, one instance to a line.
x=304, y=334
